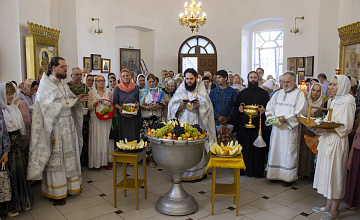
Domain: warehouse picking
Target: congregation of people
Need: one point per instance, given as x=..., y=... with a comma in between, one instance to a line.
x=50, y=129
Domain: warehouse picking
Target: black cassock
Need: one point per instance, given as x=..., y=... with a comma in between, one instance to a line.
x=254, y=157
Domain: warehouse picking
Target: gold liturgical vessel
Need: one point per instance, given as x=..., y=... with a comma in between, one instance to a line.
x=252, y=111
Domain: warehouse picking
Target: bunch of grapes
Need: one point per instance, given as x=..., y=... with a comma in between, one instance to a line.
x=104, y=111
x=158, y=125
x=193, y=131
x=197, y=127
x=178, y=131
x=163, y=131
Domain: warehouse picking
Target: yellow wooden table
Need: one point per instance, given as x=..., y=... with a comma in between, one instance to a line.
x=235, y=163
x=129, y=183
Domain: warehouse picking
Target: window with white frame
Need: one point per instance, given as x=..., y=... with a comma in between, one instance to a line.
x=268, y=52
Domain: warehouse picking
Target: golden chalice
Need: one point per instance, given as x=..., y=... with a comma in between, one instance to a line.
x=252, y=111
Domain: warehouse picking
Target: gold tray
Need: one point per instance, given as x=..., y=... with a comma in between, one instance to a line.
x=323, y=125
x=226, y=156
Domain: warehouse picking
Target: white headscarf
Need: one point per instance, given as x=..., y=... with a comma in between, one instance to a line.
x=137, y=79
x=12, y=115
x=318, y=102
x=270, y=84
x=342, y=95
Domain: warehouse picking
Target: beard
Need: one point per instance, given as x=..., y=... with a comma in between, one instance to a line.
x=253, y=84
x=190, y=88
x=290, y=88
x=61, y=75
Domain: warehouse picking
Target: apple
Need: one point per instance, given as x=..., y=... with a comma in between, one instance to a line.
x=169, y=133
x=190, y=138
x=195, y=138
x=180, y=138
x=152, y=134
x=153, y=130
x=169, y=137
x=164, y=137
x=184, y=138
x=174, y=138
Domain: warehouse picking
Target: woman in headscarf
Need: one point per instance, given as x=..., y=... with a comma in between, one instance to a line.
x=306, y=156
x=150, y=109
x=127, y=92
x=333, y=149
x=170, y=90
x=22, y=197
x=99, y=130
x=27, y=93
x=140, y=81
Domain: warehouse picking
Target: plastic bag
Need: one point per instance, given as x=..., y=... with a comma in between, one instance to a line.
x=224, y=133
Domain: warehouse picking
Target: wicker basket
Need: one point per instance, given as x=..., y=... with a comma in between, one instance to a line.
x=324, y=125
x=106, y=116
x=132, y=114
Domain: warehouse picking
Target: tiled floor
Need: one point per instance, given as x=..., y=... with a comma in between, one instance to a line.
x=259, y=199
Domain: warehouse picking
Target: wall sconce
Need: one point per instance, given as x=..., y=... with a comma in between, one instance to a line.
x=98, y=30
x=296, y=30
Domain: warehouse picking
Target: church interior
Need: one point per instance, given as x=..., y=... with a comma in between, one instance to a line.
x=307, y=28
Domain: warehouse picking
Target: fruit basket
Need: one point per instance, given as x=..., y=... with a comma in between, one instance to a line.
x=128, y=109
x=104, y=110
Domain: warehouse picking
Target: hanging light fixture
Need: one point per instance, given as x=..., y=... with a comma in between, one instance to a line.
x=191, y=18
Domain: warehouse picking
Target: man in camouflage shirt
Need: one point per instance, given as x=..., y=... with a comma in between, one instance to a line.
x=77, y=87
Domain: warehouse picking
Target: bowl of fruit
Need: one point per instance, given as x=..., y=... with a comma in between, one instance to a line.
x=176, y=131
x=104, y=110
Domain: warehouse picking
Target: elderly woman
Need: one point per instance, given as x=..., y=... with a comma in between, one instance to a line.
x=127, y=92
x=28, y=88
x=151, y=112
x=333, y=149
x=99, y=130
x=169, y=92
x=306, y=156
x=22, y=197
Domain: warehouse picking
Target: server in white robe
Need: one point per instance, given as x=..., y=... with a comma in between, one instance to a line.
x=283, y=157
x=56, y=137
x=333, y=149
x=199, y=111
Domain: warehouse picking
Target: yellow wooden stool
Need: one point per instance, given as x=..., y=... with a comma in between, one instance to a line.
x=129, y=183
x=235, y=163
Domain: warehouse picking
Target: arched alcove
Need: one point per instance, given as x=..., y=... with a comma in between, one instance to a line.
x=138, y=37
x=258, y=37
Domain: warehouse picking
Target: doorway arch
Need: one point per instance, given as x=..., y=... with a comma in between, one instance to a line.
x=198, y=52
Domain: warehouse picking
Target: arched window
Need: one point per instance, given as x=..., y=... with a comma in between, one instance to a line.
x=197, y=52
x=268, y=51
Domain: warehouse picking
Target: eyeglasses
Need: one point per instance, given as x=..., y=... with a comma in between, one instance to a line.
x=100, y=80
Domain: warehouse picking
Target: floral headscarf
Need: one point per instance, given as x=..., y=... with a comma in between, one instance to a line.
x=157, y=92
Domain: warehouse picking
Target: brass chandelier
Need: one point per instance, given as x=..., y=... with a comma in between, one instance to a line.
x=192, y=18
